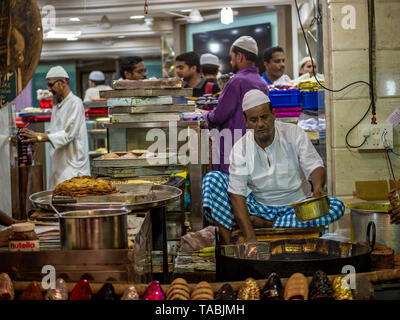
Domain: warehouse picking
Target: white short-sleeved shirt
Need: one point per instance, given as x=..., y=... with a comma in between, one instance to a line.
x=278, y=174
x=94, y=93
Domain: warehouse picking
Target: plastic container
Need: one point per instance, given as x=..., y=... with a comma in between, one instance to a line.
x=285, y=98
x=191, y=116
x=309, y=100
x=46, y=104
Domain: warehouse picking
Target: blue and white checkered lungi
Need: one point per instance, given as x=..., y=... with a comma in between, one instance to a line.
x=216, y=199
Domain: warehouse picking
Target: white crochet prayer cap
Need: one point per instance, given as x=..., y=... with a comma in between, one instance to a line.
x=209, y=58
x=304, y=60
x=96, y=76
x=57, y=72
x=254, y=98
x=247, y=43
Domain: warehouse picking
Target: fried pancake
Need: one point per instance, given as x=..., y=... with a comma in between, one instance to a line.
x=84, y=186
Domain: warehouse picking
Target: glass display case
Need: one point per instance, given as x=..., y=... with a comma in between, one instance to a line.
x=97, y=138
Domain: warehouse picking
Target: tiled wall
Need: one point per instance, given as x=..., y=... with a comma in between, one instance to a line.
x=346, y=61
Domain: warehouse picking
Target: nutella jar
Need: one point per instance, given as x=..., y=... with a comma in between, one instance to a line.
x=23, y=237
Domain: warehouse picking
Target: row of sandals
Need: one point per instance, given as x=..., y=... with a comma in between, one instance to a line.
x=296, y=288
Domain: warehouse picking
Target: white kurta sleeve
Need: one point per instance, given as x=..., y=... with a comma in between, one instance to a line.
x=88, y=96
x=309, y=158
x=238, y=169
x=72, y=126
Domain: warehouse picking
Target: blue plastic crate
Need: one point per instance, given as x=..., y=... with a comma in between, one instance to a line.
x=309, y=100
x=285, y=98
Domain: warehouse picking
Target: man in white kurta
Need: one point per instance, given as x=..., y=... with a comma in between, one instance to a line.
x=270, y=167
x=67, y=134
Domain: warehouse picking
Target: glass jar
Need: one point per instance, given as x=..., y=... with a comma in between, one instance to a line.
x=23, y=237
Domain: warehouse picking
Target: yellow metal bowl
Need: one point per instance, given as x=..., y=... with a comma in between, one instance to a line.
x=311, y=209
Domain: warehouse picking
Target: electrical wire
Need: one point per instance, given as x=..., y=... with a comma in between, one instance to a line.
x=348, y=132
x=308, y=48
x=387, y=165
x=372, y=95
x=390, y=162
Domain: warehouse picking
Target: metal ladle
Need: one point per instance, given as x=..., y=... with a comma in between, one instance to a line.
x=54, y=208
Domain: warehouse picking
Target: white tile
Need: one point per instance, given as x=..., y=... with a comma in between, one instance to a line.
x=388, y=73
x=350, y=167
x=346, y=113
x=387, y=22
x=344, y=38
x=349, y=67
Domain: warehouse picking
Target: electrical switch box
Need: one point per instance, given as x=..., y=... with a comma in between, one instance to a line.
x=378, y=136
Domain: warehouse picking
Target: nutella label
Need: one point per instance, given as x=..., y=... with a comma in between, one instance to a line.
x=24, y=245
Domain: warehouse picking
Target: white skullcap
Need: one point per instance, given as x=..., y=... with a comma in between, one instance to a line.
x=57, y=72
x=247, y=43
x=209, y=58
x=254, y=98
x=304, y=60
x=96, y=76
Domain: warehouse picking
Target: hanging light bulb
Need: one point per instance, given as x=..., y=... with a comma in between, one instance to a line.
x=226, y=16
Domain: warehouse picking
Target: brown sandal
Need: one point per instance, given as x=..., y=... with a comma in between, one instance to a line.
x=296, y=288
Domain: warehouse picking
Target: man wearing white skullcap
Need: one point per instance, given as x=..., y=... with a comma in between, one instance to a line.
x=96, y=84
x=270, y=167
x=67, y=133
x=209, y=67
x=228, y=115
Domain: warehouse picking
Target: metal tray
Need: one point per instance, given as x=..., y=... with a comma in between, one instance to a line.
x=136, y=172
x=162, y=159
x=160, y=196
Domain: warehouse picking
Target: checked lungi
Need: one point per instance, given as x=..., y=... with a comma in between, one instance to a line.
x=216, y=199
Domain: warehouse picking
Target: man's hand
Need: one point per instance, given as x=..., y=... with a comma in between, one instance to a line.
x=203, y=112
x=394, y=208
x=319, y=192
x=393, y=197
x=31, y=136
x=4, y=235
x=394, y=215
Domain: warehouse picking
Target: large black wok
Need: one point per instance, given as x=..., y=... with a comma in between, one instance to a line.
x=289, y=256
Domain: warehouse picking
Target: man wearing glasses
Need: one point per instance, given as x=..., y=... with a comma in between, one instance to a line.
x=67, y=134
x=132, y=68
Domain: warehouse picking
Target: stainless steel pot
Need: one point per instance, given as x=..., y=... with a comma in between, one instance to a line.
x=364, y=212
x=94, y=229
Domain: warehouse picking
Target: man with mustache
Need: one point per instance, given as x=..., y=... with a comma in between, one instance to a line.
x=269, y=168
x=67, y=134
x=274, y=63
x=229, y=114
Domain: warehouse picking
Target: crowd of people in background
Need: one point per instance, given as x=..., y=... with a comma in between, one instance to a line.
x=202, y=72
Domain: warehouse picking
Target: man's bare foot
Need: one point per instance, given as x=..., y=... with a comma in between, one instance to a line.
x=260, y=222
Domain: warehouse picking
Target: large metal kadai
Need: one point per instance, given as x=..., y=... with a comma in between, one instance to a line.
x=285, y=257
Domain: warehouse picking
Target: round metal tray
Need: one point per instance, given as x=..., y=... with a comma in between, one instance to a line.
x=160, y=195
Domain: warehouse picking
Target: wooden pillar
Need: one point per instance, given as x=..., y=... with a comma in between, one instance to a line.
x=284, y=17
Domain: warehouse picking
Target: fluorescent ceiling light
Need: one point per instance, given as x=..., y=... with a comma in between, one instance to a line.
x=226, y=16
x=53, y=34
x=121, y=37
x=186, y=10
x=76, y=19
x=136, y=17
x=72, y=39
